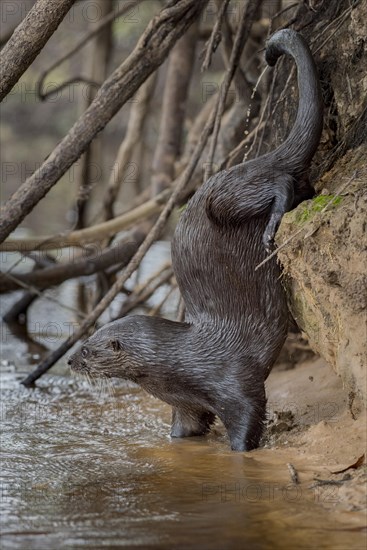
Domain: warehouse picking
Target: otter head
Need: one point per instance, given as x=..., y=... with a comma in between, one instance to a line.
x=112, y=351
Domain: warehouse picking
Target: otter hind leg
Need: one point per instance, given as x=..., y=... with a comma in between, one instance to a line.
x=188, y=422
x=282, y=203
x=245, y=423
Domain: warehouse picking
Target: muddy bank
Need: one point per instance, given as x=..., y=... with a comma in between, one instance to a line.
x=325, y=270
x=312, y=427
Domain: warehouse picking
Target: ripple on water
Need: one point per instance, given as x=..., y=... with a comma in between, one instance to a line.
x=88, y=468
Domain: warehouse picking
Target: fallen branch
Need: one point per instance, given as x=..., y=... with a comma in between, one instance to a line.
x=93, y=234
x=119, y=254
x=28, y=39
x=45, y=365
x=155, y=43
x=40, y=294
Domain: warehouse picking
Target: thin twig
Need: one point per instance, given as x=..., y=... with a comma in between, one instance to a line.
x=261, y=125
x=82, y=42
x=321, y=482
x=139, y=288
x=283, y=93
x=294, y=473
x=67, y=83
x=135, y=299
x=94, y=260
x=283, y=245
x=181, y=311
x=283, y=10
x=241, y=37
x=215, y=36
x=227, y=162
x=340, y=21
x=157, y=309
x=41, y=294
x=93, y=234
x=266, y=107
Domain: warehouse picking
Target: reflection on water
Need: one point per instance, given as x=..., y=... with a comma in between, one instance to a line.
x=82, y=467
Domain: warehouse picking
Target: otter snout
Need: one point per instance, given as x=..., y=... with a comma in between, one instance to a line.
x=77, y=364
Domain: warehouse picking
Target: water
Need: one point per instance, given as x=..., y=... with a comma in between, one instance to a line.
x=83, y=468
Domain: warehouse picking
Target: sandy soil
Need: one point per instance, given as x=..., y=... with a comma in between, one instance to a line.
x=313, y=432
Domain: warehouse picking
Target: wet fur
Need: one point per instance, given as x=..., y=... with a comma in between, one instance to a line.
x=215, y=364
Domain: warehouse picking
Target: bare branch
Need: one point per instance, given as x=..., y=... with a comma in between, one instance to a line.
x=97, y=70
x=155, y=43
x=28, y=40
x=19, y=309
x=181, y=62
x=40, y=294
x=93, y=234
x=105, y=21
x=45, y=365
x=145, y=291
x=132, y=137
x=119, y=254
x=215, y=36
x=7, y=30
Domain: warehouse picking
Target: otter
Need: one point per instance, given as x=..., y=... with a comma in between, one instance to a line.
x=215, y=363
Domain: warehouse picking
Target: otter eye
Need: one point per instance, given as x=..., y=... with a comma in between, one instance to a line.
x=85, y=353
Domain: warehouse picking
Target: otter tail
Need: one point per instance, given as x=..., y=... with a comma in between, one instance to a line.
x=296, y=152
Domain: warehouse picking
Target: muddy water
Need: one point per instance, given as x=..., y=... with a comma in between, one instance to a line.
x=84, y=467
x=88, y=468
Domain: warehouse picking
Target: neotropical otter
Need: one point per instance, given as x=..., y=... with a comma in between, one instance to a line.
x=216, y=362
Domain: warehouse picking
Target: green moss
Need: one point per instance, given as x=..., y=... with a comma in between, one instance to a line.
x=306, y=211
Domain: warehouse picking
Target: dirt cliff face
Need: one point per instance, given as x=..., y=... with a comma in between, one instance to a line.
x=325, y=269
x=325, y=262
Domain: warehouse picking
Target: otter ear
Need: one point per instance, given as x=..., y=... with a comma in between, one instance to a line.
x=116, y=345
